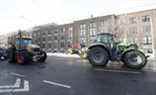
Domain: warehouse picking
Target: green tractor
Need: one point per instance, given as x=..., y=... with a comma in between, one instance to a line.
x=26, y=52
x=104, y=48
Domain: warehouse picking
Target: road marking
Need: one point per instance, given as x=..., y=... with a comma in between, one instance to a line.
x=16, y=74
x=16, y=85
x=25, y=88
x=118, y=71
x=57, y=84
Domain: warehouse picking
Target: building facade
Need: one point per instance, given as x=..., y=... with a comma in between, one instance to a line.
x=53, y=37
x=135, y=27
x=44, y=36
x=139, y=27
x=4, y=41
x=87, y=29
x=65, y=36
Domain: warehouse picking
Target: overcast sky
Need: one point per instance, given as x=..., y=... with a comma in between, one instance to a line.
x=22, y=14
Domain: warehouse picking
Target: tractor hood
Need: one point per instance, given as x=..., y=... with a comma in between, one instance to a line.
x=33, y=46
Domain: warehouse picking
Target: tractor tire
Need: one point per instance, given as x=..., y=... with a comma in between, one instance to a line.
x=98, y=56
x=44, y=57
x=134, y=59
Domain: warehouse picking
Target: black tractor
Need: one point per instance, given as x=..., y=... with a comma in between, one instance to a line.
x=104, y=49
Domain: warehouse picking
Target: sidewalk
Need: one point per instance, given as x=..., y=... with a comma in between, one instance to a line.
x=63, y=55
x=151, y=64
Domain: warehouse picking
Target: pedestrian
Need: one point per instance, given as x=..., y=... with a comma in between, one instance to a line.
x=12, y=53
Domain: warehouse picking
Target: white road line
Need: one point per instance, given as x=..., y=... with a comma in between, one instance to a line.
x=118, y=71
x=16, y=74
x=26, y=88
x=16, y=85
x=57, y=84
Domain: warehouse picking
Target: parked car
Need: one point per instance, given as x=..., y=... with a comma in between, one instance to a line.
x=55, y=50
x=3, y=54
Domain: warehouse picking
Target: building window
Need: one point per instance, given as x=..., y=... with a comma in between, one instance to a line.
x=92, y=29
x=43, y=39
x=38, y=33
x=102, y=23
x=55, y=37
x=146, y=19
x=70, y=33
x=55, y=32
x=55, y=45
x=132, y=20
x=62, y=37
x=102, y=26
x=71, y=29
x=147, y=40
x=62, y=44
x=44, y=33
x=49, y=38
x=147, y=30
x=64, y=29
x=83, y=40
x=133, y=30
x=132, y=34
x=43, y=45
x=49, y=45
x=49, y=32
x=82, y=30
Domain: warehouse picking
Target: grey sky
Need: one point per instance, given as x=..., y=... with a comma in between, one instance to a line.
x=22, y=14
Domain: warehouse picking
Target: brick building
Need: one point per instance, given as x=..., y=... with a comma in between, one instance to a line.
x=52, y=37
x=44, y=36
x=140, y=28
x=3, y=41
x=86, y=30
x=136, y=27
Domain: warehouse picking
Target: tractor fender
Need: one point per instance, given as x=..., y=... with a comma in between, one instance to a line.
x=132, y=50
x=123, y=54
x=99, y=45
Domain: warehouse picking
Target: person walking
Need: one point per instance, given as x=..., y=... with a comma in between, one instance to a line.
x=12, y=54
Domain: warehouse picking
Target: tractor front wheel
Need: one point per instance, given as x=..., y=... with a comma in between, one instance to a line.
x=98, y=56
x=43, y=57
x=134, y=59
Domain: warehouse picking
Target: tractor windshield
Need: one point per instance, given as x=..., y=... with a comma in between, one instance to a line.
x=23, y=42
x=104, y=38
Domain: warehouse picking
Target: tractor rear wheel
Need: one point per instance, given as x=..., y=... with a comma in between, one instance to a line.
x=98, y=56
x=134, y=59
x=43, y=57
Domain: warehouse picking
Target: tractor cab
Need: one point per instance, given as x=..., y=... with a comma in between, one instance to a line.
x=22, y=43
x=105, y=38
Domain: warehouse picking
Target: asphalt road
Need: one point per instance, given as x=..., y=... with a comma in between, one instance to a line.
x=72, y=76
